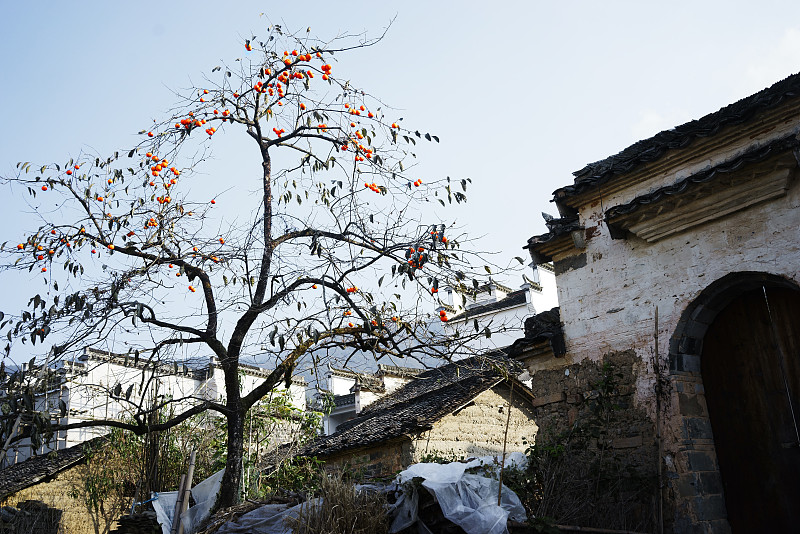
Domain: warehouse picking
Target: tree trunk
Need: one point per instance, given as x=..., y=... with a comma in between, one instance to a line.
x=231, y=480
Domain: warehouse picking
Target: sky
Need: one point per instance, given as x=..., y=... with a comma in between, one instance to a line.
x=521, y=94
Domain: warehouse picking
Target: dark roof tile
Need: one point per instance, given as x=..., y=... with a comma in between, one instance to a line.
x=544, y=326
x=42, y=467
x=751, y=156
x=415, y=407
x=514, y=298
x=681, y=136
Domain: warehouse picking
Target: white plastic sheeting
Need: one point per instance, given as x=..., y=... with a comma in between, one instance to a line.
x=469, y=501
x=268, y=519
x=164, y=506
x=205, y=494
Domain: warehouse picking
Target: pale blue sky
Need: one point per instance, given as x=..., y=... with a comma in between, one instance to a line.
x=521, y=94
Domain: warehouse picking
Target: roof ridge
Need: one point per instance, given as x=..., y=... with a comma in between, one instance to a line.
x=681, y=136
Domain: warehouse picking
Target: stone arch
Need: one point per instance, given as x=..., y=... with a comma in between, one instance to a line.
x=686, y=343
x=698, y=488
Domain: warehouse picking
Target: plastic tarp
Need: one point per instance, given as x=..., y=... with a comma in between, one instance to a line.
x=164, y=506
x=469, y=501
x=268, y=519
x=204, y=494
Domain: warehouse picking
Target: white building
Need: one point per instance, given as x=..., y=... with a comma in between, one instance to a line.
x=351, y=392
x=101, y=385
x=494, y=306
x=499, y=308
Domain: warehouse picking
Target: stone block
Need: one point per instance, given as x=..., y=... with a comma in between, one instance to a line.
x=701, y=461
x=710, y=508
x=711, y=482
x=627, y=443
x=691, y=405
x=699, y=428
x=688, y=345
x=549, y=399
x=690, y=363
x=686, y=485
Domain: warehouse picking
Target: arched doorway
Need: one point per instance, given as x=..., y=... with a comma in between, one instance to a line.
x=750, y=366
x=741, y=336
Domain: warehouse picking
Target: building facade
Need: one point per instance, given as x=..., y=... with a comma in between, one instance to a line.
x=101, y=385
x=350, y=392
x=679, y=259
x=497, y=309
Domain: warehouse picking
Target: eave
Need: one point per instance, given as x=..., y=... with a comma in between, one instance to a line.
x=760, y=174
x=773, y=123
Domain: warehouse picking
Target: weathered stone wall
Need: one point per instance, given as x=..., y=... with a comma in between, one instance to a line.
x=478, y=428
x=609, y=293
x=384, y=460
x=615, y=294
x=56, y=494
x=612, y=438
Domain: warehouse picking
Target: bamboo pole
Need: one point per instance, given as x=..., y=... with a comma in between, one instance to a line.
x=176, y=514
x=505, y=441
x=187, y=491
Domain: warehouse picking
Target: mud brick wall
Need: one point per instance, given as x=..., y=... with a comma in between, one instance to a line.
x=56, y=494
x=384, y=460
x=477, y=429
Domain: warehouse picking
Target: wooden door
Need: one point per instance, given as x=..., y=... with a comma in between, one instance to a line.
x=751, y=374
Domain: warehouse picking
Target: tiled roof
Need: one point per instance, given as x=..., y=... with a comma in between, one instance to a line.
x=396, y=370
x=370, y=383
x=197, y=372
x=544, y=326
x=751, y=156
x=415, y=407
x=33, y=470
x=347, y=373
x=680, y=137
x=514, y=298
x=556, y=228
x=344, y=400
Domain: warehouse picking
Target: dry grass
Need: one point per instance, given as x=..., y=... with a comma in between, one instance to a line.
x=343, y=510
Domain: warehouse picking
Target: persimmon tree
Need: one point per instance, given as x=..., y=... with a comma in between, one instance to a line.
x=342, y=251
